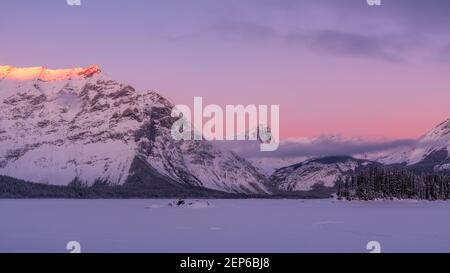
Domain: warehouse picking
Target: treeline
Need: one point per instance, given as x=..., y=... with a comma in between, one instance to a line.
x=140, y=188
x=16, y=188
x=390, y=183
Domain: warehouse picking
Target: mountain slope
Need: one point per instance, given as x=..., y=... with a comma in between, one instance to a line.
x=316, y=172
x=430, y=153
x=79, y=125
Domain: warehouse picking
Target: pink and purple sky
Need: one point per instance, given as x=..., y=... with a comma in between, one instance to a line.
x=334, y=67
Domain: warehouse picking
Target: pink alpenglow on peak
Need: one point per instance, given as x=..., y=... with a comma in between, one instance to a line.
x=45, y=74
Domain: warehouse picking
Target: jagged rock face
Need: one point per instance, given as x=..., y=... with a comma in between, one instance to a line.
x=323, y=171
x=57, y=126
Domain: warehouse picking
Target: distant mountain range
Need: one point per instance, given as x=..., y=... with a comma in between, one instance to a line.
x=79, y=133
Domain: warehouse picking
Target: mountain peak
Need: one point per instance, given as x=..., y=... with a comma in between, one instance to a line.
x=441, y=130
x=44, y=74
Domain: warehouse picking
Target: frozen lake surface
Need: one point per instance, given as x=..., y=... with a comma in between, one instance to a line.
x=227, y=226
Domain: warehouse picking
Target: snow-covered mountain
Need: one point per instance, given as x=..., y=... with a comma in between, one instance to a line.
x=268, y=165
x=61, y=126
x=323, y=171
x=79, y=126
x=429, y=153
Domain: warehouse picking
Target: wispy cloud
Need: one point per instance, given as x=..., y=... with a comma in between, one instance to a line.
x=327, y=147
x=350, y=44
x=328, y=26
x=328, y=41
x=244, y=31
x=323, y=146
